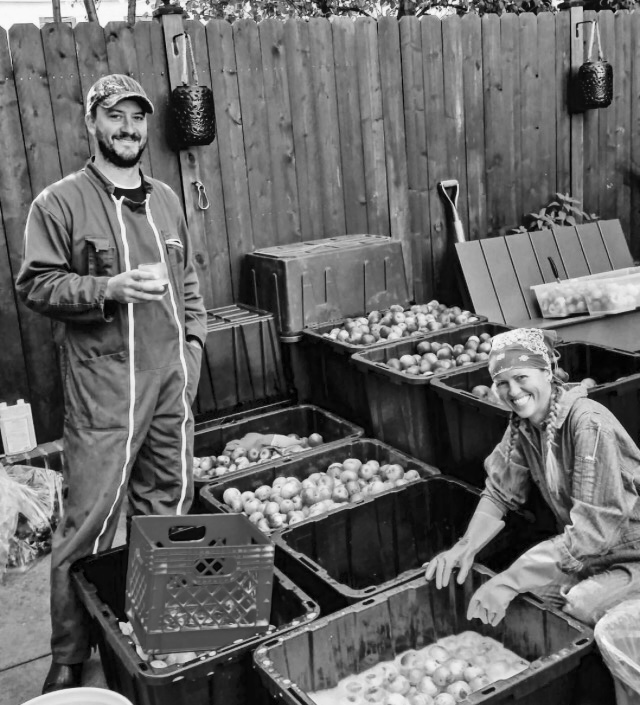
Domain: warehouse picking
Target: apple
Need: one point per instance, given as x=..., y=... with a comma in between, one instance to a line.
x=398, y=684
x=324, y=492
x=231, y=493
x=393, y=472
x=442, y=676
x=340, y=494
x=277, y=521
x=444, y=699
x=296, y=517
x=263, y=525
x=411, y=475
x=290, y=489
x=348, y=475
x=352, y=464
x=427, y=686
x=223, y=460
x=253, y=454
x=352, y=487
x=367, y=471
x=478, y=683
x=310, y=496
x=335, y=470
x=256, y=517
x=397, y=699
x=236, y=505
x=375, y=695
x=419, y=699
x=588, y=382
x=264, y=455
x=246, y=495
x=251, y=506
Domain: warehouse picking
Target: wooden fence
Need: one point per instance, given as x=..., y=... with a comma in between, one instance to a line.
x=324, y=128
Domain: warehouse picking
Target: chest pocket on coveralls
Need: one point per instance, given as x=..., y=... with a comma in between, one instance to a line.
x=100, y=256
x=175, y=261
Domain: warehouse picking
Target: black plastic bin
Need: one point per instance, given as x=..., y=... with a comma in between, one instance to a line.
x=403, y=410
x=301, y=466
x=476, y=426
x=345, y=557
x=335, y=384
x=224, y=677
x=241, y=363
x=414, y=615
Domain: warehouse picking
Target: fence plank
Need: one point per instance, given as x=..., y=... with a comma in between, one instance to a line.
x=474, y=126
x=416, y=150
x=325, y=125
x=255, y=130
x=283, y=158
x=153, y=75
x=605, y=173
x=634, y=175
x=344, y=53
x=230, y=140
x=573, y=259
x=66, y=96
x=591, y=169
x=43, y=163
x=212, y=250
x=373, y=136
x=452, y=57
x=298, y=56
x=433, y=72
x=123, y=58
x=509, y=199
x=563, y=119
x=395, y=146
x=15, y=195
x=547, y=78
x=530, y=193
x=622, y=105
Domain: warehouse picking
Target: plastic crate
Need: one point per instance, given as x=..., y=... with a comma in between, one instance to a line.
x=403, y=410
x=223, y=677
x=346, y=557
x=197, y=589
x=324, y=280
x=241, y=363
x=476, y=426
x=414, y=615
x=46, y=455
x=301, y=467
x=303, y=419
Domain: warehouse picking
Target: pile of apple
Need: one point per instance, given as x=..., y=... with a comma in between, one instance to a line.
x=606, y=295
x=209, y=466
x=443, y=673
x=396, y=322
x=566, y=299
x=432, y=357
x=289, y=500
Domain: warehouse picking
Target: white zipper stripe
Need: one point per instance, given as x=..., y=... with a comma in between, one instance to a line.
x=132, y=376
x=183, y=362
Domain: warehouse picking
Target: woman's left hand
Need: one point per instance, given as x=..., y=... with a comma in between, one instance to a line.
x=489, y=602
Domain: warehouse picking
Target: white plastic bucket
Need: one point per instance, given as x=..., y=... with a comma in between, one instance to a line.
x=80, y=696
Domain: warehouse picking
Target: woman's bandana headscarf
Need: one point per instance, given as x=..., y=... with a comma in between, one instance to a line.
x=522, y=347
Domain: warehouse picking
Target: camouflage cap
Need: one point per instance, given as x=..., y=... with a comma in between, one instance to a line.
x=109, y=90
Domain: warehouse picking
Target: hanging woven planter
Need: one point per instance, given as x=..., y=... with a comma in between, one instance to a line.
x=193, y=118
x=596, y=77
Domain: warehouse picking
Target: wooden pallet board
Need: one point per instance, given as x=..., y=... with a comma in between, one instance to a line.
x=499, y=273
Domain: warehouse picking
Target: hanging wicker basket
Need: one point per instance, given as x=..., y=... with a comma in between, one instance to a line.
x=596, y=77
x=193, y=119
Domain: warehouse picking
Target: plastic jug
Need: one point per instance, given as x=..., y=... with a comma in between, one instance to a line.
x=16, y=427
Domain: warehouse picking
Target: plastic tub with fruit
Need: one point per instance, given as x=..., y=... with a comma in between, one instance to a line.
x=476, y=418
x=414, y=646
x=333, y=383
x=324, y=480
x=218, y=677
x=397, y=377
x=384, y=540
x=314, y=427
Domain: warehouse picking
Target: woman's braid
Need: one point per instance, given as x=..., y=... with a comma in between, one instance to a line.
x=514, y=424
x=551, y=465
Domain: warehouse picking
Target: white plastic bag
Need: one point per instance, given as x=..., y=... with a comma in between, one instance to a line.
x=30, y=506
x=618, y=636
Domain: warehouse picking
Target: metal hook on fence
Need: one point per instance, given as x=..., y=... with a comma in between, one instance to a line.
x=174, y=43
x=203, y=199
x=584, y=22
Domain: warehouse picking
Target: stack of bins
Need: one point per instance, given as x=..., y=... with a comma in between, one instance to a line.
x=308, y=283
x=221, y=677
x=241, y=363
x=412, y=616
x=475, y=426
x=404, y=411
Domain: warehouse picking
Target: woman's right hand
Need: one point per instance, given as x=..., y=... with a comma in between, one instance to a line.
x=460, y=556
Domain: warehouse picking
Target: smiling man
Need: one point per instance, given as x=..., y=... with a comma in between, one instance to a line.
x=133, y=344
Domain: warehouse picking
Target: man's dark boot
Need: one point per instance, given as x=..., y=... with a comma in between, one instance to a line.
x=61, y=676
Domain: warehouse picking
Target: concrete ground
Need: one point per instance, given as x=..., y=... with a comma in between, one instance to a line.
x=25, y=654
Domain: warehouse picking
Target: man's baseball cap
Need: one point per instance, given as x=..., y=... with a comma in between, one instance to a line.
x=109, y=90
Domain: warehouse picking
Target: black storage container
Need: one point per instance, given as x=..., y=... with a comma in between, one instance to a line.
x=476, y=426
x=222, y=677
x=403, y=410
x=345, y=557
x=414, y=615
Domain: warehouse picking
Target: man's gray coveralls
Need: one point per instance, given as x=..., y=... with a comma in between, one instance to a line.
x=130, y=376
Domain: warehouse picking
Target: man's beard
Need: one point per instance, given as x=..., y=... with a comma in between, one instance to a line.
x=109, y=153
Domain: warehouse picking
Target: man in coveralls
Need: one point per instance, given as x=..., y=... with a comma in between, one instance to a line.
x=133, y=345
